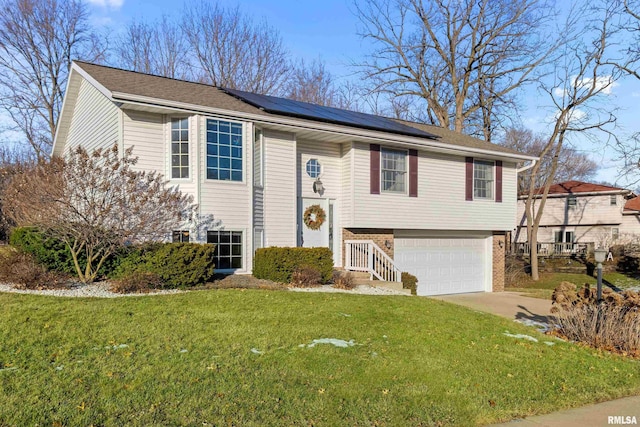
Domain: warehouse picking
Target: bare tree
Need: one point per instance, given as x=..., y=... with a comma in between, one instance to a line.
x=38, y=40
x=461, y=59
x=233, y=51
x=96, y=203
x=158, y=48
x=582, y=78
x=312, y=83
x=572, y=164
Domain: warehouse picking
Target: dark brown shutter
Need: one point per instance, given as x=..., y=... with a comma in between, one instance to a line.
x=468, y=186
x=499, y=181
x=413, y=173
x=375, y=168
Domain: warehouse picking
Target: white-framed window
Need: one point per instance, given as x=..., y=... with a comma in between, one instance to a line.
x=224, y=150
x=572, y=202
x=393, y=170
x=615, y=233
x=180, y=148
x=483, y=179
x=613, y=200
x=314, y=168
x=180, y=236
x=228, y=251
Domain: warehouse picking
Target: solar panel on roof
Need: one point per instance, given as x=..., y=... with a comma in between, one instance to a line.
x=272, y=104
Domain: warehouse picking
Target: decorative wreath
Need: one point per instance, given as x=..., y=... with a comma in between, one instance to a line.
x=314, y=217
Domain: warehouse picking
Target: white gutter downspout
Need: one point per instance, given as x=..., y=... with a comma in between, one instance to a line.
x=527, y=167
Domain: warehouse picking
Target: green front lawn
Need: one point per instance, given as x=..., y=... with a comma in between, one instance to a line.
x=240, y=357
x=544, y=287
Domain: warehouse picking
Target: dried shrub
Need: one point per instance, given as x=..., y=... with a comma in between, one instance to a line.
x=515, y=272
x=23, y=270
x=409, y=281
x=137, y=282
x=343, y=280
x=607, y=326
x=613, y=324
x=306, y=277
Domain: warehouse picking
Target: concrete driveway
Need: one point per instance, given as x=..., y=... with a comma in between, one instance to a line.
x=508, y=304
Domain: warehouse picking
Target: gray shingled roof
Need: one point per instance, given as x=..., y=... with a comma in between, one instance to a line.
x=146, y=85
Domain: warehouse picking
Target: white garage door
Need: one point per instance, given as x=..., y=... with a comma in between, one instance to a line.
x=450, y=265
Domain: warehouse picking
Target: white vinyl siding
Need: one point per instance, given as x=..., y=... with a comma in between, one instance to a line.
x=146, y=133
x=346, y=201
x=328, y=155
x=95, y=120
x=439, y=205
x=280, y=205
x=588, y=210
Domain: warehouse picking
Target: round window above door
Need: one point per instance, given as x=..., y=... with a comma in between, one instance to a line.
x=314, y=169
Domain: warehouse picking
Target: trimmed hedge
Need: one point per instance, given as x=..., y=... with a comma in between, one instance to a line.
x=51, y=253
x=278, y=264
x=178, y=265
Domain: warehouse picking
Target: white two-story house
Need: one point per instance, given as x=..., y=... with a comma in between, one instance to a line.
x=384, y=195
x=582, y=212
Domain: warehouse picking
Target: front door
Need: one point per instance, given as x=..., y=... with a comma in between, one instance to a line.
x=314, y=233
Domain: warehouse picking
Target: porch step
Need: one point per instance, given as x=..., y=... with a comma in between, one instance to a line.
x=360, y=275
x=394, y=286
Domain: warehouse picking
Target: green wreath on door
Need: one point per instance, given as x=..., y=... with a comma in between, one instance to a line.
x=314, y=216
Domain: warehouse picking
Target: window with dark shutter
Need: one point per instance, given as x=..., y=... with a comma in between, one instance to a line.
x=374, y=168
x=468, y=181
x=413, y=173
x=499, y=181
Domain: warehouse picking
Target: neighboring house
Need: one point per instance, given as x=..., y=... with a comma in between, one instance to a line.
x=582, y=212
x=396, y=196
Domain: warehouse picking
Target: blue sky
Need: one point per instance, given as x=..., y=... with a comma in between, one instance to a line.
x=328, y=30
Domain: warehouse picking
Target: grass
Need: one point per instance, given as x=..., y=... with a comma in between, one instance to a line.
x=544, y=287
x=187, y=359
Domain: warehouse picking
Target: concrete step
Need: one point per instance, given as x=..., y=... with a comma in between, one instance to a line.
x=360, y=275
x=394, y=286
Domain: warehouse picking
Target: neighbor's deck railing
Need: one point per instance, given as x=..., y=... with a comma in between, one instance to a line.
x=551, y=249
x=365, y=255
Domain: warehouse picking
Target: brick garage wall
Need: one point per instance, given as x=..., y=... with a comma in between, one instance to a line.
x=499, y=244
x=378, y=235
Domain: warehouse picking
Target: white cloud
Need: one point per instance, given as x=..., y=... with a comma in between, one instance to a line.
x=111, y=4
x=635, y=94
x=605, y=84
x=602, y=83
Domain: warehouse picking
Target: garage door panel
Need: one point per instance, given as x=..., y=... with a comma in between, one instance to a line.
x=443, y=265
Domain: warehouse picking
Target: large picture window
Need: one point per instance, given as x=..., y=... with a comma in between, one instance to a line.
x=228, y=252
x=224, y=150
x=180, y=148
x=483, y=179
x=393, y=170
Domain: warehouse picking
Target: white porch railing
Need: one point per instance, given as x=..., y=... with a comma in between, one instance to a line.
x=365, y=255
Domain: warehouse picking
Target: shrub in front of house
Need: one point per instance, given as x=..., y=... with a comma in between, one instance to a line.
x=137, y=282
x=343, y=280
x=53, y=254
x=613, y=324
x=23, y=270
x=279, y=263
x=409, y=281
x=177, y=265
x=50, y=253
x=306, y=277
